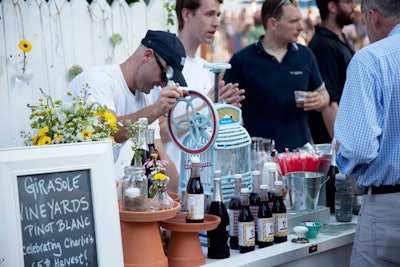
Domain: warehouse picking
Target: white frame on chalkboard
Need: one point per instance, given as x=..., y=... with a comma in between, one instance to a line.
x=95, y=156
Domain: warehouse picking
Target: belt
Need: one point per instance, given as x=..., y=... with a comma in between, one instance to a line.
x=383, y=189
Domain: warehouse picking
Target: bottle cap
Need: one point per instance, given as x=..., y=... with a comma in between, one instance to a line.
x=217, y=174
x=237, y=176
x=277, y=182
x=195, y=159
x=263, y=186
x=245, y=190
x=256, y=172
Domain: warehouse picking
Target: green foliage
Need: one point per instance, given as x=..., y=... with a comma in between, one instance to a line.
x=170, y=7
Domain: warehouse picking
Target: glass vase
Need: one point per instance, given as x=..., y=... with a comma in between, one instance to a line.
x=134, y=189
x=161, y=200
x=24, y=74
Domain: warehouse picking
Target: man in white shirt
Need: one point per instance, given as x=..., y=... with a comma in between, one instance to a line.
x=124, y=88
x=198, y=21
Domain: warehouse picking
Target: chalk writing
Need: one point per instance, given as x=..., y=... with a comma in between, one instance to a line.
x=57, y=219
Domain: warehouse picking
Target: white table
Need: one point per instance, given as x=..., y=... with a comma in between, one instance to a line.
x=326, y=250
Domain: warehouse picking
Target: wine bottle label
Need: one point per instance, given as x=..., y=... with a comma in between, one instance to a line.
x=280, y=223
x=246, y=234
x=265, y=229
x=195, y=207
x=233, y=222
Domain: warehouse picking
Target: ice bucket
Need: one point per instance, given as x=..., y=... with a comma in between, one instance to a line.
x=325, y=150
x=304, y=188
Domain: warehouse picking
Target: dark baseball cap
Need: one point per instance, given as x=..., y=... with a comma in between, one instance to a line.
x=168, y=46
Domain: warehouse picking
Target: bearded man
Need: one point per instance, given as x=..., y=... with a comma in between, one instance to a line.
x=333, y=52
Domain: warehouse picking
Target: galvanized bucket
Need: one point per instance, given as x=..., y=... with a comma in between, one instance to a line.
x=304, y=188
x=325, y=150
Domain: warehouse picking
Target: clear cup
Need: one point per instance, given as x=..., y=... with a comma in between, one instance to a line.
x=300, y=96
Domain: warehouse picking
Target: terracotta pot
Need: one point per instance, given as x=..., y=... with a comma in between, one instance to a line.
x=141, y=239
x=184, y=248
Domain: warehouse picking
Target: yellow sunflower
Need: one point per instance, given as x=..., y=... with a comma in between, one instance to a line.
x=35, y=139
x=86, y=134
x=108, y=116
x=44, y=131
x=160, y=176
x=44, y=140
x=25, y=46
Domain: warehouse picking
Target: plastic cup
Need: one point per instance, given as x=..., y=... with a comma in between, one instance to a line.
x=300, y=96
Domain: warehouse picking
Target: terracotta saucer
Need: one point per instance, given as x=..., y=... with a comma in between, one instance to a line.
x=147, y=216
x=178, y=223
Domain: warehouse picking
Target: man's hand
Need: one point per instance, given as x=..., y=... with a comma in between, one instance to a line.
x=228, y=93
x=316, y=100
x=168, y=97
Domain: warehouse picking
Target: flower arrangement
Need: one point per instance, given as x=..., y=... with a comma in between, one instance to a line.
x=57, y=122
x=26, y=47
x=161, y=200
x=156, y=165
x=136, y=133
x=24, y=74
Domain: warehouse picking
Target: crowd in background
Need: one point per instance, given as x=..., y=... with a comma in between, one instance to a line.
x=238, y=30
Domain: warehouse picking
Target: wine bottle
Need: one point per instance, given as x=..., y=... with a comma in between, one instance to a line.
x=141, y=137
x=246, y=231
x=151, y=149
x=234, y=209
x=265, y=222
x=279, y=215
x=269, y=176
x=255, y=198
x=274, y=158
x=150, y=145
x=330, y=183
x=218, y=247
x=195, y=194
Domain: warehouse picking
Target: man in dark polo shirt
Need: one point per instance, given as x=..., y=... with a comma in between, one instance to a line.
x=333, y=53
x=270, y=70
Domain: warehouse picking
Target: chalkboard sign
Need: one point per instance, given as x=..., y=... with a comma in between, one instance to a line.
x=57, y=219
x=59, y=206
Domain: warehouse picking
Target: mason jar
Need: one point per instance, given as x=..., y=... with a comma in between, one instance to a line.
x=134, y=189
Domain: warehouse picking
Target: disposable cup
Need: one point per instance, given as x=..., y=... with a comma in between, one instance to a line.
x=300, y=96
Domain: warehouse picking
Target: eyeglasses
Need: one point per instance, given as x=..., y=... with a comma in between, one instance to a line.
x=281, y=3
x=166, y=72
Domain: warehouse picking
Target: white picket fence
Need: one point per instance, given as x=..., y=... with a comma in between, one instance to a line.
x=62, y=34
